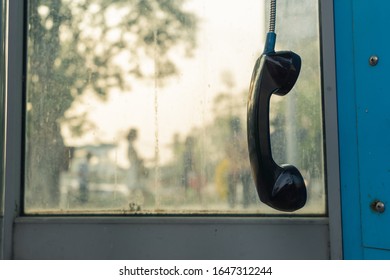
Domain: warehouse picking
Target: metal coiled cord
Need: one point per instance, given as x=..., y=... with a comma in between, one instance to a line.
x=272, y=17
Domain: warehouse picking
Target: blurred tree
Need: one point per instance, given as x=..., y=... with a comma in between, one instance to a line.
x=83, y=46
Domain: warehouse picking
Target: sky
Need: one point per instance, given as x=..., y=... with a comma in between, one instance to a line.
x=230, y=38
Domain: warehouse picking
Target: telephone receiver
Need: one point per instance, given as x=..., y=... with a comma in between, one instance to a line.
x=280, y=187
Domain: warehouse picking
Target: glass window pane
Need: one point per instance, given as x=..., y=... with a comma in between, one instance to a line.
x=140, y=106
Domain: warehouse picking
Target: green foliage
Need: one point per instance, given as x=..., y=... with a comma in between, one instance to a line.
x=98, y=45
x=83, y=46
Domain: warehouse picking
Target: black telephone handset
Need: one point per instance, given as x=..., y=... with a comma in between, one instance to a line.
x=280, y=187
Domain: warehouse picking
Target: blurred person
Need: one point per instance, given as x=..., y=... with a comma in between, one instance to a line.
x=191, y=175
x=136, y=173
x=83, y=174
x=238, y=164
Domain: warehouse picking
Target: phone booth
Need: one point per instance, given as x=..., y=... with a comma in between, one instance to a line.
x=180, y=130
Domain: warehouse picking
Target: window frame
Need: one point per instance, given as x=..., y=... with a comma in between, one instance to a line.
x=3, y=77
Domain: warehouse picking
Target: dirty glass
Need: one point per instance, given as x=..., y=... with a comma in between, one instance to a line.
x=139, y=106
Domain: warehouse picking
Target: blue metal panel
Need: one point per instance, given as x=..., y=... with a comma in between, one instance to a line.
x=373, y=103
x=364, y=123
x=376, y=254
x=349, y=168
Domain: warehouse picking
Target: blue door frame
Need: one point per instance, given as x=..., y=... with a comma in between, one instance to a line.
x=361, y=29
